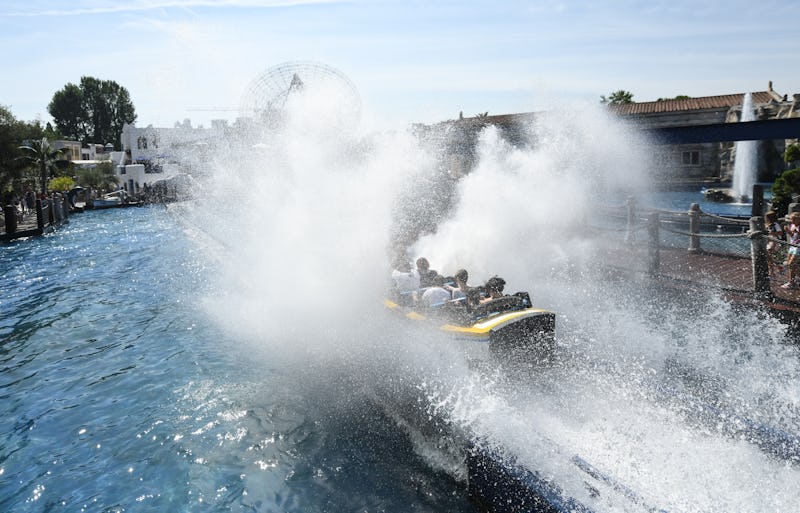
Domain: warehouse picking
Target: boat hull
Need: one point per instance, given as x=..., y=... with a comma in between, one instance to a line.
x=525, y=336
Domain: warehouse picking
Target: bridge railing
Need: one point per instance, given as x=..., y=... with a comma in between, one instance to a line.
x=693, y=245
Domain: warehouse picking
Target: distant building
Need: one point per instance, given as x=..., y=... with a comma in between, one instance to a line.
x=152, y=154
x=710, y=160
x=673, y=163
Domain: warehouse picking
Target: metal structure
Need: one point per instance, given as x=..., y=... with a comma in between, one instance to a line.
x=266, y=96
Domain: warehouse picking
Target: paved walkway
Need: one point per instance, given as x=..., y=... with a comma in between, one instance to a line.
x=28, y=223
x=728, y=273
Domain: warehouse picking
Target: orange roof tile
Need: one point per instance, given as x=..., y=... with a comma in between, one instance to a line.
x=724, y=101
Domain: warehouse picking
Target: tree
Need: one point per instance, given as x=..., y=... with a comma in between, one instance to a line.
x=785, y=186
x=62, y=184
x=792, y=153
x=679, y=97
x=95, y=111
x=99, y=177
x=12, y=134
x=46, y=158
x=66, y=108
x=617, y=97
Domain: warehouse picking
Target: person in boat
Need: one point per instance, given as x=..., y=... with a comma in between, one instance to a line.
x=435, y=295
x=461, y=288
x=493, y=288
x=473, y=298
x=427, y=276
x=405, y=282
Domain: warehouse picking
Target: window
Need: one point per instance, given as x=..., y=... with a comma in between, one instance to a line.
x=691, y=158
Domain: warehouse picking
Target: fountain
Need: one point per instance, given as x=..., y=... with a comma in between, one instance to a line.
x=745, y=168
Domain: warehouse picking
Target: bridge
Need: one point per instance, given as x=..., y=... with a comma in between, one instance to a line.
x=760, y=130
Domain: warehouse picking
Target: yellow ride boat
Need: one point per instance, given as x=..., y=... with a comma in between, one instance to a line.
x=514, y=330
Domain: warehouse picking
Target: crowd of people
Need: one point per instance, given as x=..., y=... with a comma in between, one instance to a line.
x=422, y=286
x=778, y=265
x=22, y=203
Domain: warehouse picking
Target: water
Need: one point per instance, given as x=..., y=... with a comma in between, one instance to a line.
x=681, y=200
x=119, y=394
x=239, y=359
x=745, y=167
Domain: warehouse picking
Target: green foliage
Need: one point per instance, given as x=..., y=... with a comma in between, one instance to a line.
x=617, y=97
x=62, y=184
x=792, y=153
x=679, y=97
x=44, y=157
x=92, y=112
x=66, y=108
x=99, y=177
x=782, y=190
x=12, y=134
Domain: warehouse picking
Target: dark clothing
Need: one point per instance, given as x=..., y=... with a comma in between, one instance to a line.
x=428, y=278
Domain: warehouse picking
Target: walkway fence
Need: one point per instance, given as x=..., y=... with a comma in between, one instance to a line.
x=695, y=246
x=50, y=213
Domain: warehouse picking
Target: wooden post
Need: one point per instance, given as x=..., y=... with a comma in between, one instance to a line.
x=39, y=215
x=653, y=253
x=758, y=253
x=10, y=213
x=50, y=214
x=630, y=236
x=58, y=213
x=694, y=228
x=758, y=201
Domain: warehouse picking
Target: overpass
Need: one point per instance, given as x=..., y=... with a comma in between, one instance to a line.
x=767, y=129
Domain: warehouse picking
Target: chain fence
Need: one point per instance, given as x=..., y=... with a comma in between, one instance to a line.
x=694, y=246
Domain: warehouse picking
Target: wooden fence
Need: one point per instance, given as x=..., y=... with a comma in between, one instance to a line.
x=50, y=213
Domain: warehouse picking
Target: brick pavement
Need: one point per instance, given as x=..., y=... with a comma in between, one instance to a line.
x=728, y=273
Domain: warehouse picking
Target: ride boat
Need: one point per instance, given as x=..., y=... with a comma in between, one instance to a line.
x=512, y=328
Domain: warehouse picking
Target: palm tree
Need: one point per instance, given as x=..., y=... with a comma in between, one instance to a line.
x=45, y=157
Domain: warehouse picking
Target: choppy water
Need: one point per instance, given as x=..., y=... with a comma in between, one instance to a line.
x=117, y=393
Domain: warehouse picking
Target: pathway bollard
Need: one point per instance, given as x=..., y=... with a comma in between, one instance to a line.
x=694, y=228
x=58, y=212
x=39, y=216
x=654, y=256
x=51, y=216
x=757, y=209
x=65, y=205
x=758, y=252
x=10, y=213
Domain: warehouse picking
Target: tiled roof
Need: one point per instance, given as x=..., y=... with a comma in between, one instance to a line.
x=724, y=101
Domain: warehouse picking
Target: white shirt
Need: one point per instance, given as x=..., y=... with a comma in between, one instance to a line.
x=405, y=282
x=435, y=296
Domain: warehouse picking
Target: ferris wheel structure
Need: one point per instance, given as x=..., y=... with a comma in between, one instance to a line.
x=266, y=97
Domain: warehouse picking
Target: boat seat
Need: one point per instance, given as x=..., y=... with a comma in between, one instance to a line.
x=501, y=304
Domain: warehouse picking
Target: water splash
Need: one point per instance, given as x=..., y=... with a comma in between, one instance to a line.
x=745, y=167
x=302, y=257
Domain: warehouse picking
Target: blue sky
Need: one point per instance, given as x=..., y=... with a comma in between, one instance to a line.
x=412, y=61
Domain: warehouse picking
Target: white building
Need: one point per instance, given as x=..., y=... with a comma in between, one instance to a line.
x=151, y=154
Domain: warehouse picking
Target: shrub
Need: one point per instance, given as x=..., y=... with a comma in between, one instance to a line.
x=62, y=184
x=784, y=187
